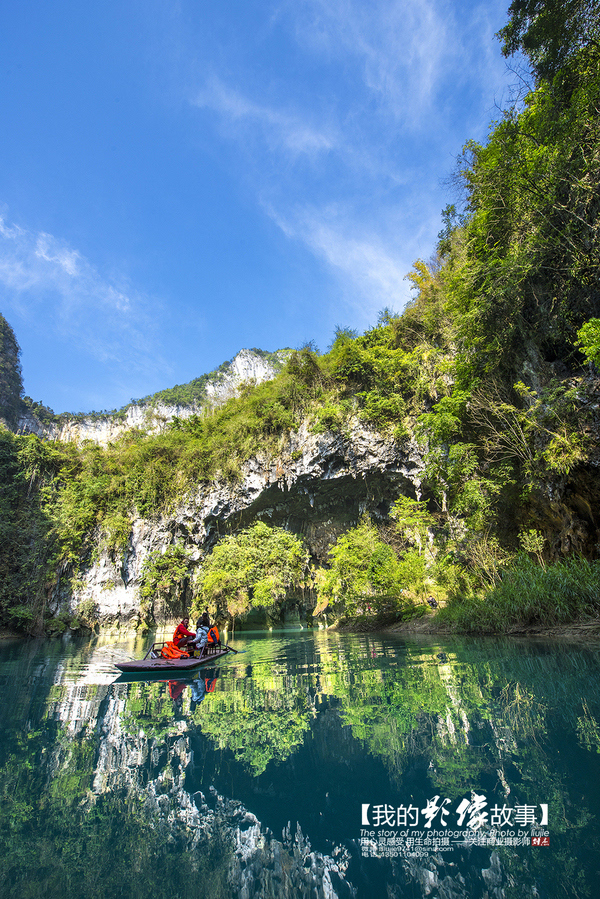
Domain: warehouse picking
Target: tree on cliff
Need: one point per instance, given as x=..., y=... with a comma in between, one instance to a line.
x=550, y=32
x=253, y=569
x=11, y=382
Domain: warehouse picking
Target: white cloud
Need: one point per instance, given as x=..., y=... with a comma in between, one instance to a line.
x=407, y=50
x=402, y=47
x=280, y=129
x=54, y=287
x=366, y=262
x=370, y=264
x=48, y=250
x=399, y=80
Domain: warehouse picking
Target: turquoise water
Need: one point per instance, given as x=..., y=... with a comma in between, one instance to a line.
x=311, y=764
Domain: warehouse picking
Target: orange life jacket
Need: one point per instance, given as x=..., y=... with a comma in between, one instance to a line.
x=213, y=634
x=171, y=651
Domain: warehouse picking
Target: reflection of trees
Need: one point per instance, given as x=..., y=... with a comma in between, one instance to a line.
x=59, y=838
x=413, y=710
x=260, y=719
x=94, y=802
x=257, y=724
x=150, y=708
x=440, y=703
x=588, y=729
x=484, y=725
x=92, y=768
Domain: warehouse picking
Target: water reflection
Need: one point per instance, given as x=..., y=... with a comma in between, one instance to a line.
x=253, y=775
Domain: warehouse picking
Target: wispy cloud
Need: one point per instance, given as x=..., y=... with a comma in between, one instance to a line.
x=281, y=129
x=406, y=49
x=400, y=46
x=381, y=115
x=54, y=287
x=369, y=262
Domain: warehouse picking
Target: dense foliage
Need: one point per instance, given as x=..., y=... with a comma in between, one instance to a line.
x=550, y=32
x=11, y=381
x=367, y=576
x=530, y=594
x=27, y=539
x=257, y=567
x=483, y=370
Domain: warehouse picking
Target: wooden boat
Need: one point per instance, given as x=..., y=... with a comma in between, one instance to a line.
x=166, y=677
x=154, y=663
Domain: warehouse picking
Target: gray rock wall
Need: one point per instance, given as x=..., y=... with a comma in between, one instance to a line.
x=318, y=488
x=153, y=417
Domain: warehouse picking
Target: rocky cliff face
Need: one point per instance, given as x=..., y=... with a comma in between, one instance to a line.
x=318, y=488
x=154, y=414
x=247, y=366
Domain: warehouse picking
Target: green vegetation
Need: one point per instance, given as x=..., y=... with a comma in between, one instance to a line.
x=164, y=575
x=59, y=839
x=27, y=538
x=589, y=341
x=256, y=569
x=484, y=370
x=366, y=576
x=11, y=381
x=530, y=594
x=362, y=566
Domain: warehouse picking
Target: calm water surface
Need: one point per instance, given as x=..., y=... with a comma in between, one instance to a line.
x=310, y=764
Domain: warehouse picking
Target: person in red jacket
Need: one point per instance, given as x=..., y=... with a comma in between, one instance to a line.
x=181, y=637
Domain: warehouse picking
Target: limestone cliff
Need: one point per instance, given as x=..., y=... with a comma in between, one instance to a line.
x=153, y=413
x=318, y=488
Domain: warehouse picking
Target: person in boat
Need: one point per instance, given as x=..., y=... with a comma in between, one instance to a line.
x=206, y=633
x=202, y=629
x=182, y=636
x=213, y=636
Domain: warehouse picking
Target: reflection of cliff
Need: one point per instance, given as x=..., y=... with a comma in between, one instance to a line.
x=106, y=728
x=149, y=773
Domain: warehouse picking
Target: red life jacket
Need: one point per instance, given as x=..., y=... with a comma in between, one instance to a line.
x=180, y=632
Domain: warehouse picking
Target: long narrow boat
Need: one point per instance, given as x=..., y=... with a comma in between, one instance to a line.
x=154, y=663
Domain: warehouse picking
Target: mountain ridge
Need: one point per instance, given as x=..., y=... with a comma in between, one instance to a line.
x=154, y=412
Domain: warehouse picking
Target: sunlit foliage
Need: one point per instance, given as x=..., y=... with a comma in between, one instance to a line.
x=254, y=568
x=481, y=371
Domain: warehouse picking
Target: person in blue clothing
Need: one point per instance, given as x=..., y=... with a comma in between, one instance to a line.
x=202, y=629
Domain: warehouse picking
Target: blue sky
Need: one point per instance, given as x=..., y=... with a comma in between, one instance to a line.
x=179, y=180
